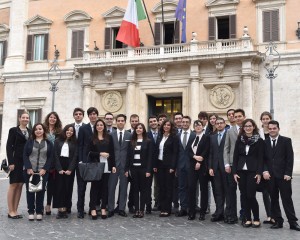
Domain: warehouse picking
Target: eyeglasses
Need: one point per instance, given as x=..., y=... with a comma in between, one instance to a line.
x=108, y=118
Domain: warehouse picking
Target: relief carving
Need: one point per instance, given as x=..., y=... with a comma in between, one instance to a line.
x=112, y=101
x=221, y=96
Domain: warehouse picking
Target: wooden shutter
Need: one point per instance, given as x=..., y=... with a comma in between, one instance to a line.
x=107, y=38
x=74, y=44
x=29, y=56
x=177, y=32
x=4, y=53
x=266, y=26
x=275, y=25
x=211, y=28
x=39, y=115
x=46, y=46
x=80, y=42
x=232, y=26
x=157, y=28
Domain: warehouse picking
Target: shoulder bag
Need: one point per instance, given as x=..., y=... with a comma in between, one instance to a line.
x=91, y=171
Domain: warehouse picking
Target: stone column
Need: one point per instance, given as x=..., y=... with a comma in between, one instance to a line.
x=131, y=93
x=194, y=91
x=15, y=61
x=247, y=88
x=87, y=92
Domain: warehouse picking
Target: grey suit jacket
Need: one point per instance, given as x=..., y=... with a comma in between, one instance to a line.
x=229, y=145
x=121, y=151
x=183, y=153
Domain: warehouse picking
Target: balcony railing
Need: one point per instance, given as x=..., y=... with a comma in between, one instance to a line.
x=166, y=51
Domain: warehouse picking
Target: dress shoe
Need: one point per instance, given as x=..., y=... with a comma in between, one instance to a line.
x=192, y=216
x=20, y=216
x=60, y=215
x=202, y=217
x=148, y=212
x=141, y=215
x=122, y=213
x=276, y=226
x=217, y=218
x=31, y=217
x=116, y=209
x=103, y=216
x=247, y=224
x=232, y=220
x=39, y=217
x=12, y=217
x=94, y=217
x=256, y=224
x=80, y=215
x=136, y=215
x=181, y=213
x=295, y=226
x=271, y=221
x=110, y=214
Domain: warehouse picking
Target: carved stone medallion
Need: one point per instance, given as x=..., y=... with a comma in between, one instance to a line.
x=221, y=96
x=112, y=101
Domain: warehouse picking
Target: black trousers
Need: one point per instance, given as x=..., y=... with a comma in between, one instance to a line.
x=149, y=181
x=202, y=176
x=81, y=188
x=140, y=187
x=166, y=186
x=99, y=188
x=51, y=186
x=219, y=190
x=276, y=186
x=230, y=197
x=62, y=196
x=247, y=185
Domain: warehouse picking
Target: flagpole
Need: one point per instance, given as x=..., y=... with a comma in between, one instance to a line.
x=149, y=20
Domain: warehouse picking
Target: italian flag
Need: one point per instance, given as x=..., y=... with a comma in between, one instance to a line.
x=129, y=30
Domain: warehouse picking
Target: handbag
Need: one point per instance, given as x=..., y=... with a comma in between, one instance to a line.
x=91, y=171
x=4, y=166
x=35, y=187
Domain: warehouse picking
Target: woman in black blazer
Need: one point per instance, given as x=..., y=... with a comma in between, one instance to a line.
x=101, y=148
x=247, y=168
x=199, y=171
x=65, y=156
x=139, y=164
x=167, y=153
x=16, y=140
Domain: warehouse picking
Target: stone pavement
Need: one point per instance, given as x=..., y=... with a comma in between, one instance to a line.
x=150, y=227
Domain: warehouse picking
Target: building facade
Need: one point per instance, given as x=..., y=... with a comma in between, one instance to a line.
x=221, y=66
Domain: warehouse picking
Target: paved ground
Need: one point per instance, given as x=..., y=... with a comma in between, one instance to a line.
x=150, y=227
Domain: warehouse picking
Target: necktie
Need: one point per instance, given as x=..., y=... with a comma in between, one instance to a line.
x=274, y=142
x=120, y=139
x=155, y=136
x=219, y=138
x=196, y=141
x=184, y=139
x=77, y=126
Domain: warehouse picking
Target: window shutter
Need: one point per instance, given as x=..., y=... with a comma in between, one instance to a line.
x=266, y=26
x=177, y=32
x=4, y=55
x=46, y=46
x=157, y=28
x=39, y=115
x=275, y=25
x=29, y=48
x=107, y=38
x=80, y=42
x=232, y=26
x=211, y=28
x=74, y=44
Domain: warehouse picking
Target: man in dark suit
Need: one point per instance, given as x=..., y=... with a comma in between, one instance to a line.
x=78, y=114
x=217, y=170
x=121, y=140
x=153, y=135
x=109, y=119
x=186, y=138
x=84, y=139
x=278, y=171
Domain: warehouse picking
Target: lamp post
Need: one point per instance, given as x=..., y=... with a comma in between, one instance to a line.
x=54, y=76
x=271, y=63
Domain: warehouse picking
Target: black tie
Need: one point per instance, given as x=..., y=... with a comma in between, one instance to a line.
x=196, y=141
x=274, y=142
x=120, y=139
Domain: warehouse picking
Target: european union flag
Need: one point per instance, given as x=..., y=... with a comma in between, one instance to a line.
x=180, y=14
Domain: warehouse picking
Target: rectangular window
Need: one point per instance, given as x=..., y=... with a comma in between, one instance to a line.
x=222, y=27
x=3, y=48
x=37, y=47
x=271, y=25
x=77, y=44
x=168, y=32
x=115, y=43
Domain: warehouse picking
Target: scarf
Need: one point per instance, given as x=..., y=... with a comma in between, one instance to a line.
x=250, y=140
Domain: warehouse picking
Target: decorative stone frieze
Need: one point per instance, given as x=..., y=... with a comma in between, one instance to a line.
x=112, y=101
x=222, y=96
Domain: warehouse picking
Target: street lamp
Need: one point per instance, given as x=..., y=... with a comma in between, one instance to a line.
x=54, y=76
x=271, y=63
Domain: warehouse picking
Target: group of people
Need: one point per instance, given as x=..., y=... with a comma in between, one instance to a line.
x=170, y=156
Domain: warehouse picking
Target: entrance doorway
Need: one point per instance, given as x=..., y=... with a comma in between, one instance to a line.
x=166, y=105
